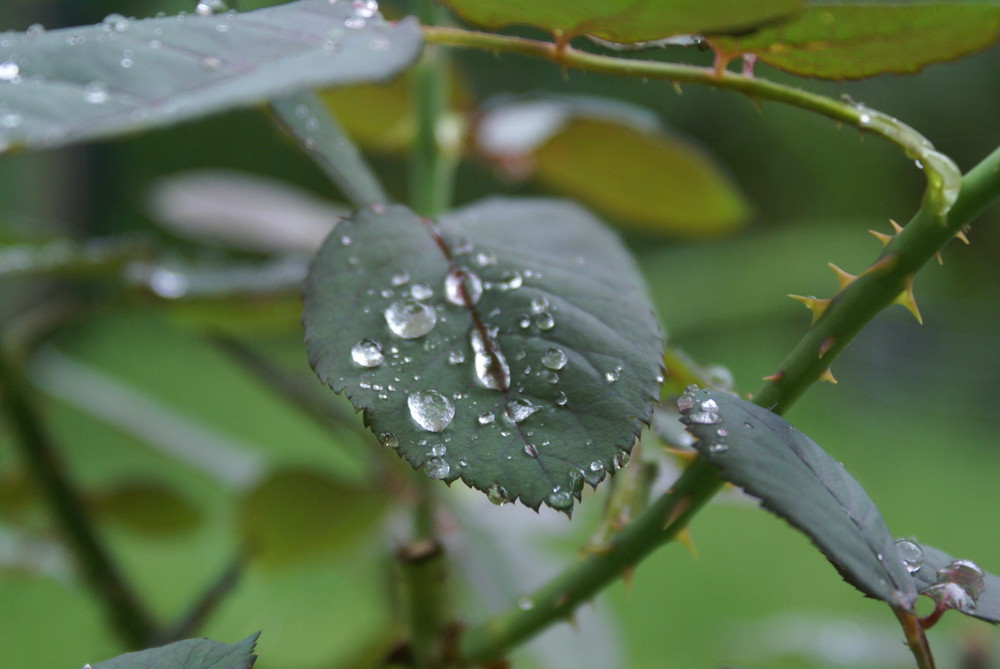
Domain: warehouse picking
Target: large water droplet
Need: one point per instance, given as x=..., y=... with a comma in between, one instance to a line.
x=951, y=596
x=485, y=418
x=462, y=287
x=530, y=450
x=497, y=494
x=539, y=304
x=518, y=409
x=389, y=440
x=554, y=358
x=410, y=319
x=491, y=367
x=911, y=554
x=430, y=410
x=209, y=7
x=966, y=574
x=437, y=468
x=421, y=291
x=367, y=353
x=560, y=499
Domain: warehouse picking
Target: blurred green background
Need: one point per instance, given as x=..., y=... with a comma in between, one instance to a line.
x=912, y=417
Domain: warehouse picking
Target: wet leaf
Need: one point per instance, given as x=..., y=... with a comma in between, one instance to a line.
x=188, y=654
x=123, y=75
x=509, y=345
x=298, y=513
x=796, y=479
x=854, y=40
x=988, y=604
x=627, y=20
x=147, y=507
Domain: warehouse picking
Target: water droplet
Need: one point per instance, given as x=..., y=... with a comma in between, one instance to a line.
x=9, y=71
x=966, y=574
x=126, y=63
x=510, y=280
x=539, y=305
x=560, y=499
x=365, y=8
x=518, y=409
x=951, y=596
x=717, y=448
x=209, y=7
x=911, y=553
x=389, y=440
x=437, y=450
x=864, y=119
x=497, y=494
x=116, y=23
x=486, y=259
x=490, y=365
x=367, y=353
x=525, y=603
x=421, y=291
x=552, y=378
x=354, y=22
x=210, y=63
x=456, y=357
x=485, y=418
x=10, y=120
x=596, y=466
x=614, y=374
x=36, y=29
x=524, y=321
x=462, y=287
x=410, y=319
x=430, y=410
x=545, y=321
x=621, y=459
x=560, y=399
x=436, y=468
x=554, y=358
x=530, y=450
x=95, y=93
x=400, y=279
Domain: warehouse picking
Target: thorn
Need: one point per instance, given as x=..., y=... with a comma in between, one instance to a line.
x=627, y=574
x=677, y=88
x=882, y=237
x=677, y=510
x=844, y=279
x=937, y=256
x=826, y=345
x=813, y=304
x=961, y=237
x=896, y=226
x=774, y=378
x=827, y=376
x=686, y=540
x=571, y=620
x=883, y=264
x=907, y=300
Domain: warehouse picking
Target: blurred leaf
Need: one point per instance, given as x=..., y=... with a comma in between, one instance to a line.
x=627, y=20
x=988, y=603
x=849, y=41
x=298, y=513
x=649, y=180
x=123, y=75
x=188, y=654
x=374, y=115
x=147, y=507
x=491, y=347
x=796, y=479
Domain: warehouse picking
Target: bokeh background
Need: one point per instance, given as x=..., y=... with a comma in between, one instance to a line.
x=129, y=381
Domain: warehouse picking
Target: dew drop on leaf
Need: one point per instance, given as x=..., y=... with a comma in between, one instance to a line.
x=613, y=375
x=539, y=305
x=596, y=466
x=530, y=450
x=456, y=357
x=431, y=410
x=497, y=494
x=367, y=353
x=518, y=409
x=410, y=319
x=561, y=399
x=485, y=418
x=421, y=291
x=554, y=358
x=400, y=279
x=491, y=367
x=510, y=280
x=486, y=259
x=545, y=321
x=560, y=499
x=389, y=440
x=911, y=553
x=437, y=468
x=462, y=287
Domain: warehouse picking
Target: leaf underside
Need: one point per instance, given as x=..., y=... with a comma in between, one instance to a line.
x=189, y=654
x=124, y=75
x=796, y=479
x=554, y=279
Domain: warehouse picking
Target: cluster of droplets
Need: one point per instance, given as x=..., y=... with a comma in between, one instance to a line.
x=361, y=12
x=704, y=412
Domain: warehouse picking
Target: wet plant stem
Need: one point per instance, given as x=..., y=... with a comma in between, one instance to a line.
x=850, y=310
x=128, y=615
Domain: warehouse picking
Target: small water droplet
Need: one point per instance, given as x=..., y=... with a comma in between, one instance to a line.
x=367, y=353
x=36, y=29
x=389, y=440
x=717, y=448
x=497, y=494
x=431, y=410
x=421, y=291
x=9, y=71
x=437, y=450
x=621, y=459
x=126, y=63
x=545, y=321
x=525, y=603
x=518, y=409
x=722, y=432
x=510, y=280
x=524, y=321
x=456, y=357
x=462, y=287
x=410, y=319
x=552, y=378
x=436, y=468
x=209, y=7
x=530, y=450
x=400, y=279
x=554, y=358
x=365, y=8
x=486, y=259
x=116, y=23
x=96, y=93
x=560, y=399
x=539, y=304
x=864, y=119
x=345, y=240
x=596, y=466
x=485, y=418
x=911, y=554
x=613, y=375
x=354, y=22
x=560, y=499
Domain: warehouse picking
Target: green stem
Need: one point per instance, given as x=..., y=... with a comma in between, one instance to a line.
x=916, y=639
x=127, y=613
x=306, y=118
x=668, y=515
x=423, y=574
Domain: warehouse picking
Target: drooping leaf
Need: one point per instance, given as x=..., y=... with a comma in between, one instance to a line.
x=298, y=513
x=509, y=344
x=796, y=479
x=188, y=654
x=147, y=507
x=926, y=575
x=627, y=20
x=616, y=158
x=853, y=40
x=124, y=75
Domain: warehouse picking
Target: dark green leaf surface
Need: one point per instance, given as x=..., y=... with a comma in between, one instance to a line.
x=988, y=604
x=796, y=479
x=123, y=75
x=627, y=20
x=846, y=41
x=554, y=279
x=188, y=654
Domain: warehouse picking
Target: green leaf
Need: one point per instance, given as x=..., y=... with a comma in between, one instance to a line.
x=796, y=479
x=933, y=560
x=188, y=654
x=536, y=387
x=616, y=158
x=123, y=75
x=147, y=507
x=849, y=41
x=299, y=513
x=627, y=20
